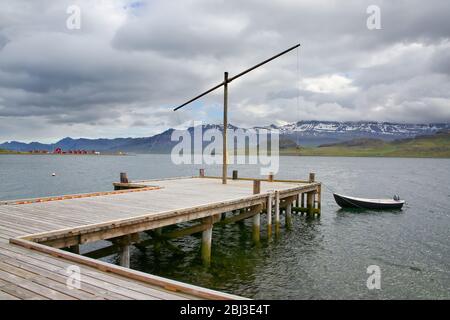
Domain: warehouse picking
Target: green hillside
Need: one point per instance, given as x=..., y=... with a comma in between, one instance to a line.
x=432, y=146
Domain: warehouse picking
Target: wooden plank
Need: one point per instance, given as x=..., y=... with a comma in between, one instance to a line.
x=33, y=287
x=57, y=270
x=21, y=293
x=90, y=275
x=132, y=274
x=7, y=296
x=34, y=275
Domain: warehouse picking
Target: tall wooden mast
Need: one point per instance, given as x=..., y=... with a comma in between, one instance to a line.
x=226, y=81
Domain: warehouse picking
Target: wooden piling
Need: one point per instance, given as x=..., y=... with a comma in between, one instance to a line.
x=157, y=243
x=319, y=199
x=125, y=256
x=269, y=215
x=207, y=242
x=277, y=212
x=256, y=227
x=289, y=215
x=312, y=177
x=256, y=186
x=75, y=249
x=270, y=178
x=309, y=203
x=257, y=216
x=123, y=177
x=124, y=244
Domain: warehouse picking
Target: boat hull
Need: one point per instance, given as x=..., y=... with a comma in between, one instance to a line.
x=348, y=202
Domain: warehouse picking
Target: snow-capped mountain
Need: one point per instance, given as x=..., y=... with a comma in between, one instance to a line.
x=318, y=132
x=300, y=133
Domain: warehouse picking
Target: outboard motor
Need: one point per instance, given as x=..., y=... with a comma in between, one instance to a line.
x=396, y=197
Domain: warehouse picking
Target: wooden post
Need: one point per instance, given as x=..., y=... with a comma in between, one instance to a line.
x=269, y=215
x=125, y=256
x=202, y=173
x=123, y=177
x=206, y=242
x=289, y=215
x=311, y=196
x=302, y=195
x=256, y=227
x=75, y=249
x=277, y=212
x=319, y=199
x=235, y=174
x=157, y=242
x=309, y=202
x=225, y=125
x=256, y=186
x=270, y=178
x=257, y=216
x=124, y=253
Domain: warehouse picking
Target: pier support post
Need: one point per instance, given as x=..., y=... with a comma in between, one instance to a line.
x=123, y=177
x=256, y=227
x=206, y=242
x=256, y=186
x=124, y=244
x=257, y=216
x=277, y=212
x=75, y=249
x=157, y=242
x=309, y=203
x=319, y=199
x=269, y=215
x=125, y=256
x=302, y=197
x=310, y=196
x=289, y=215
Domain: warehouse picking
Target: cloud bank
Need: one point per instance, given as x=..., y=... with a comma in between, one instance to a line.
x=131, y=62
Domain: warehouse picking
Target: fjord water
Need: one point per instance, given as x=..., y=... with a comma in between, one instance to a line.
x=324, y=258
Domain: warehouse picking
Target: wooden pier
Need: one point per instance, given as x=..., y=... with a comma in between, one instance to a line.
x=40, y=239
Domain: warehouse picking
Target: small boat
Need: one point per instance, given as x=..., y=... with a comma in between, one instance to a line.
x=362, y=203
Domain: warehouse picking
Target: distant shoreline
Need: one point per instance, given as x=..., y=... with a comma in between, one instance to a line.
x=18, y=153
x=282, y=154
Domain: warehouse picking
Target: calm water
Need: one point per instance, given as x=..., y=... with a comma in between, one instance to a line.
x=322, y=258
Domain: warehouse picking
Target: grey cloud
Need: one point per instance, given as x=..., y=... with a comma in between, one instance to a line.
x=129, y=65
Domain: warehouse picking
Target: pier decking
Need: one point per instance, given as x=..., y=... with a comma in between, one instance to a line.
x=41, y=238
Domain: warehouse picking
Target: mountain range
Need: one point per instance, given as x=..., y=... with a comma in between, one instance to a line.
x=304, y=133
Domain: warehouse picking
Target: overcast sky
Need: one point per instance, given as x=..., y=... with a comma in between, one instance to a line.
x=131, y=62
